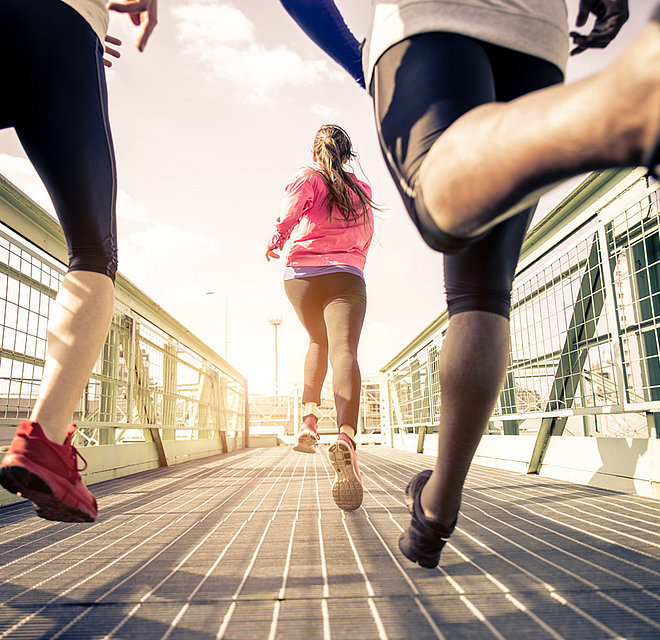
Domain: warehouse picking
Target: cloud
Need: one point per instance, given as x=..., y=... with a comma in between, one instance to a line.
x=224, y=40
x=213, y=25
x=21, y=173
x=324, y=112
x=160, y=242
x=382, y=330
x=130, y=211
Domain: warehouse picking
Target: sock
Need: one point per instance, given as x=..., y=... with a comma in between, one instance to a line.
x=349, y=431
x=311, y=409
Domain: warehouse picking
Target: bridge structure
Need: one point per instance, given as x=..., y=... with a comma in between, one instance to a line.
x=209, y=530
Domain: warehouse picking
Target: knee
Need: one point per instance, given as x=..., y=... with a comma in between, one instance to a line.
x=465, y=299
x=100, y=258
x=318, y=343
x=343, y=359
x=431, y=232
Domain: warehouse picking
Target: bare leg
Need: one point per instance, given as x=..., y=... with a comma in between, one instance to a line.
x=608, y=120
x=316, y=368
x=344, y=318
x=472, y=368
x=77, y=328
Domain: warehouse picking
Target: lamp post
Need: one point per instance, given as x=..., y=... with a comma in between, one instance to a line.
x=224, y=295
x=276, y=321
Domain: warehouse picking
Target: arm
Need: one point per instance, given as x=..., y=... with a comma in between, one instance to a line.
x=322, y=22
x=299, y=195
x=610, y=16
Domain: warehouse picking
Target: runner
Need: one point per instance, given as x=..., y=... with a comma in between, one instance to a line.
x=471, y=127
x=327, y=219
x=55, y=97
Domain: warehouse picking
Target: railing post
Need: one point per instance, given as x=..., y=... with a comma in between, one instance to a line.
x=108, y=399
x=586, y=312
x=169, y=388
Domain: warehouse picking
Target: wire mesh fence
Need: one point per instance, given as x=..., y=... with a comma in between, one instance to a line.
x=147, y=377
x=585, y=329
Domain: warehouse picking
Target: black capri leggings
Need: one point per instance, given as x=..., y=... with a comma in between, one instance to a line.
x=331, y=307
x=54, y=95
x=420, y=87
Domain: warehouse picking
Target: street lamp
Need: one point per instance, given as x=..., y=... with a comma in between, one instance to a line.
x=224, y=295
x=276, y=321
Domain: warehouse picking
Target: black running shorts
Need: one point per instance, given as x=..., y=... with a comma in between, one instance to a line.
x=420, y=87
x=54, y=95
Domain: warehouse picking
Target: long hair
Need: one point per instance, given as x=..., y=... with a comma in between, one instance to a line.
x=333, y=150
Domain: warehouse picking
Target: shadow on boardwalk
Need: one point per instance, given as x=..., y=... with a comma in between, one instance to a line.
x=251, y=546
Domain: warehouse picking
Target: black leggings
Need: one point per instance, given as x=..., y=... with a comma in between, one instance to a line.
x=331, y=307
x=420, y=87
x=54, y=95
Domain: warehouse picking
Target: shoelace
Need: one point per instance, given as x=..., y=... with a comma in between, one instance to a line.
x=75, y=454
x=74, y=470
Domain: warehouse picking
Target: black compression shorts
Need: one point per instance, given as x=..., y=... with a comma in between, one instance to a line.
x=420, y=87
x=54, y=95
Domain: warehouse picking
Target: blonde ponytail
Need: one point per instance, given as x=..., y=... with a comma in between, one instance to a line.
x=333, y=149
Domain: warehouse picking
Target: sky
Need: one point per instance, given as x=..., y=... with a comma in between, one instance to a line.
x=209, y=124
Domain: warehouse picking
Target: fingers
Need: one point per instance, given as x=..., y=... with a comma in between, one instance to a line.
x=610, y=17
x=147, y=28
x=143, y=14
x=583, y=13
x=135, y=6
x=109, y=51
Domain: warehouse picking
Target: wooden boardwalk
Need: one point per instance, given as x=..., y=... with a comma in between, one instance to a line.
x=250, y=545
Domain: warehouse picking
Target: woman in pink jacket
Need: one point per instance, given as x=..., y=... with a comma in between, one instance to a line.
x=327, y=220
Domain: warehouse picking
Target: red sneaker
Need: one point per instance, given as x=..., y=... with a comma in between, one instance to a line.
x=47, y=474
x=307, y=436
x=347, y=489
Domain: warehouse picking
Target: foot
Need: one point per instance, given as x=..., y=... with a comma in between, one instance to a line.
x=424, y=538
x=307, y=436
x=46, y=473
x=347, y=489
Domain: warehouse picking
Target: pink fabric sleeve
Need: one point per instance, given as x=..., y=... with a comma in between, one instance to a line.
x=298, y=197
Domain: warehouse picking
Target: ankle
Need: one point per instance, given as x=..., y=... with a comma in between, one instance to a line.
x=56, y=434
x=311, y=409
x=348, y=430
x=444, y=513
x=309, y=422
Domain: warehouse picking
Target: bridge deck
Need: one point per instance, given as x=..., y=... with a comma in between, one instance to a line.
x=250, y=545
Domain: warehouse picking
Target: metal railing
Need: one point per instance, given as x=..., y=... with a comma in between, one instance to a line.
x=153, y=382
x=282, y=414
x=585, y=325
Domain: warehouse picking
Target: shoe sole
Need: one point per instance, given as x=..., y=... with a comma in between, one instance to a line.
x=306, y=443
x=347, y=489
x=27, y=485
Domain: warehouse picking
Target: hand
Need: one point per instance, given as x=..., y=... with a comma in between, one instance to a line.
x=271, y=254
x=109, y=51
x=610, y=16
x=142, y=12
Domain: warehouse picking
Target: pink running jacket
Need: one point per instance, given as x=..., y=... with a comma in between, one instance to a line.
x=316, y=239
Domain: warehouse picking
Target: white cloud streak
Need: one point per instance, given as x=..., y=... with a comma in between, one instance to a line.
x=224, y=40
x=328, y=114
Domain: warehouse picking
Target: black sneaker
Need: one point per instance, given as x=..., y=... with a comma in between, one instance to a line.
x=424, y=538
